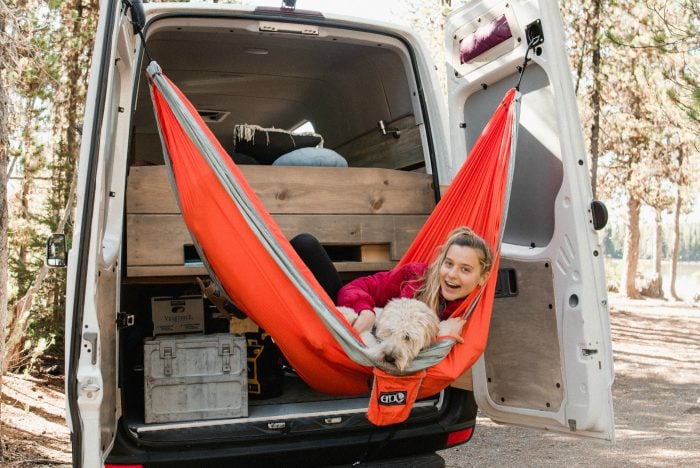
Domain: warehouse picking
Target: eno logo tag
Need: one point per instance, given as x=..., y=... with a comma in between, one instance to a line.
x=392, y=398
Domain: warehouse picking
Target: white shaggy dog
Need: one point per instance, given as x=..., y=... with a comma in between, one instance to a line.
x=401, y=329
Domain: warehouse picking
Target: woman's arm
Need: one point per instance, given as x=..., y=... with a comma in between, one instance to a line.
x=365, y=292
x=368, y=292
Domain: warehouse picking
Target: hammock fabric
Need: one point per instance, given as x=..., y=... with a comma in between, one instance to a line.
x=246, y=252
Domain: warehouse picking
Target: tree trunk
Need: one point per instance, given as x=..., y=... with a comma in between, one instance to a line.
x=676, y=247
x=631, y=254
x=595, y=95
x=654, y=286
x=582, y=56
x=5, y=54
x=3, y=211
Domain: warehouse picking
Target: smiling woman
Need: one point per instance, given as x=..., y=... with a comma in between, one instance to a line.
x=462, y=265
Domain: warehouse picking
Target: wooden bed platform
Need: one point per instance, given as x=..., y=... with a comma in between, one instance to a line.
x=371, y=214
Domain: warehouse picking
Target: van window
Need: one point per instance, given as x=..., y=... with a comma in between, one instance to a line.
x=306, y=127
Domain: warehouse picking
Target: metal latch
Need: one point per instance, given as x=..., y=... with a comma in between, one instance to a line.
x=167, y=353
x=395, y=132
x=91, y=337
x=125, y=320
x=225, y=353
x=90, y=388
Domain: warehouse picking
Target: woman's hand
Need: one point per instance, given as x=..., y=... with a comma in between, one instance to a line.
x=452, y=327
x=364, y=321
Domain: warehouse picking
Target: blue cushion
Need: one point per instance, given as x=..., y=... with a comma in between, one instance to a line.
x=311, y=157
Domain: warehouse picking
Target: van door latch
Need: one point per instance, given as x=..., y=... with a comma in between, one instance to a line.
x=90, y=388
x=91, y=337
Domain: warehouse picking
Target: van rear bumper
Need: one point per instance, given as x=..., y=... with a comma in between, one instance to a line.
x=373, y=446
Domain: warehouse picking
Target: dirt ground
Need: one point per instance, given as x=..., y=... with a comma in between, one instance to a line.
x=656, y=400
x=656, y=394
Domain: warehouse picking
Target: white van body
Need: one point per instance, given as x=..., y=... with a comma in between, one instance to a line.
x=549, y=360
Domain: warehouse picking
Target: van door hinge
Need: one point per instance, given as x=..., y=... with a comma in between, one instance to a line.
x=599, y=214
x=124, y=320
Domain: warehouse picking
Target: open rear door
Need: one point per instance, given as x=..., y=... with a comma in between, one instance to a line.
x=93, y=263
x=548, y=362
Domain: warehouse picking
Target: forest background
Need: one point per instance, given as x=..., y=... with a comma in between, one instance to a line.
x=635, y=66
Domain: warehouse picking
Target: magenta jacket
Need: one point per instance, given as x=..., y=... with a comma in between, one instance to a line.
x=376, y=290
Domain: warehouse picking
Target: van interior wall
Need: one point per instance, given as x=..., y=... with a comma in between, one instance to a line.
x=278, y=80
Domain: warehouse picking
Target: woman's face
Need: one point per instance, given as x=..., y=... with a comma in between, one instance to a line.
x=460, y=272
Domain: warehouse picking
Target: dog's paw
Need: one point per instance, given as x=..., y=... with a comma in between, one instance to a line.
x=369, y=339
x=349, y=314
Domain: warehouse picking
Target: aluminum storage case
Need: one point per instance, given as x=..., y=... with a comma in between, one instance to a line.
x=195, y=377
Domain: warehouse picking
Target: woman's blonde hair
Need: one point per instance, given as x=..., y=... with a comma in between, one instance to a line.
x=429, y=292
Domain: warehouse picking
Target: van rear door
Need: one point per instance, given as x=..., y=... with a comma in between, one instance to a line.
x=548, y=362
x=93, y=263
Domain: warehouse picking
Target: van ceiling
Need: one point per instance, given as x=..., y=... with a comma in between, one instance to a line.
x=280, y=80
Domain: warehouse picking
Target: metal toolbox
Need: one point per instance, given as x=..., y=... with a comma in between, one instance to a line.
x=195, y=377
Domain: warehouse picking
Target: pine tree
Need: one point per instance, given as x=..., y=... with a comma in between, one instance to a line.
x=55, y=83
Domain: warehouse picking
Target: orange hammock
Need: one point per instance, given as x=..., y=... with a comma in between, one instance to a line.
x=252, y=259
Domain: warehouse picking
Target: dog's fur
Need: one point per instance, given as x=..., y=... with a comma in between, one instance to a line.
x=401, y=329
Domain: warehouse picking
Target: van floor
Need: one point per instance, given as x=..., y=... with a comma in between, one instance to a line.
x=296, y=394
x=298, y=402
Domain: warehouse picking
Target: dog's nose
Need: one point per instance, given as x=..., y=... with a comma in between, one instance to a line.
x=389, y=358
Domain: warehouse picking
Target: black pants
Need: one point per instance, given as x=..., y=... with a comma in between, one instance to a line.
x=317, y=260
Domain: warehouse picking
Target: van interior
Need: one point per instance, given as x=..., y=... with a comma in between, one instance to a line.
x=357, y=93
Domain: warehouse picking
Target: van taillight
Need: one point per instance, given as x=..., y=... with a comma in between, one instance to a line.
x=459, y=437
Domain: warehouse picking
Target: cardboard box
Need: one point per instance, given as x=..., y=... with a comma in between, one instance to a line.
x=172, y=315
x=195, y=377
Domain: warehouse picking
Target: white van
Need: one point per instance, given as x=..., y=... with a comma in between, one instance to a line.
x=370, y=91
